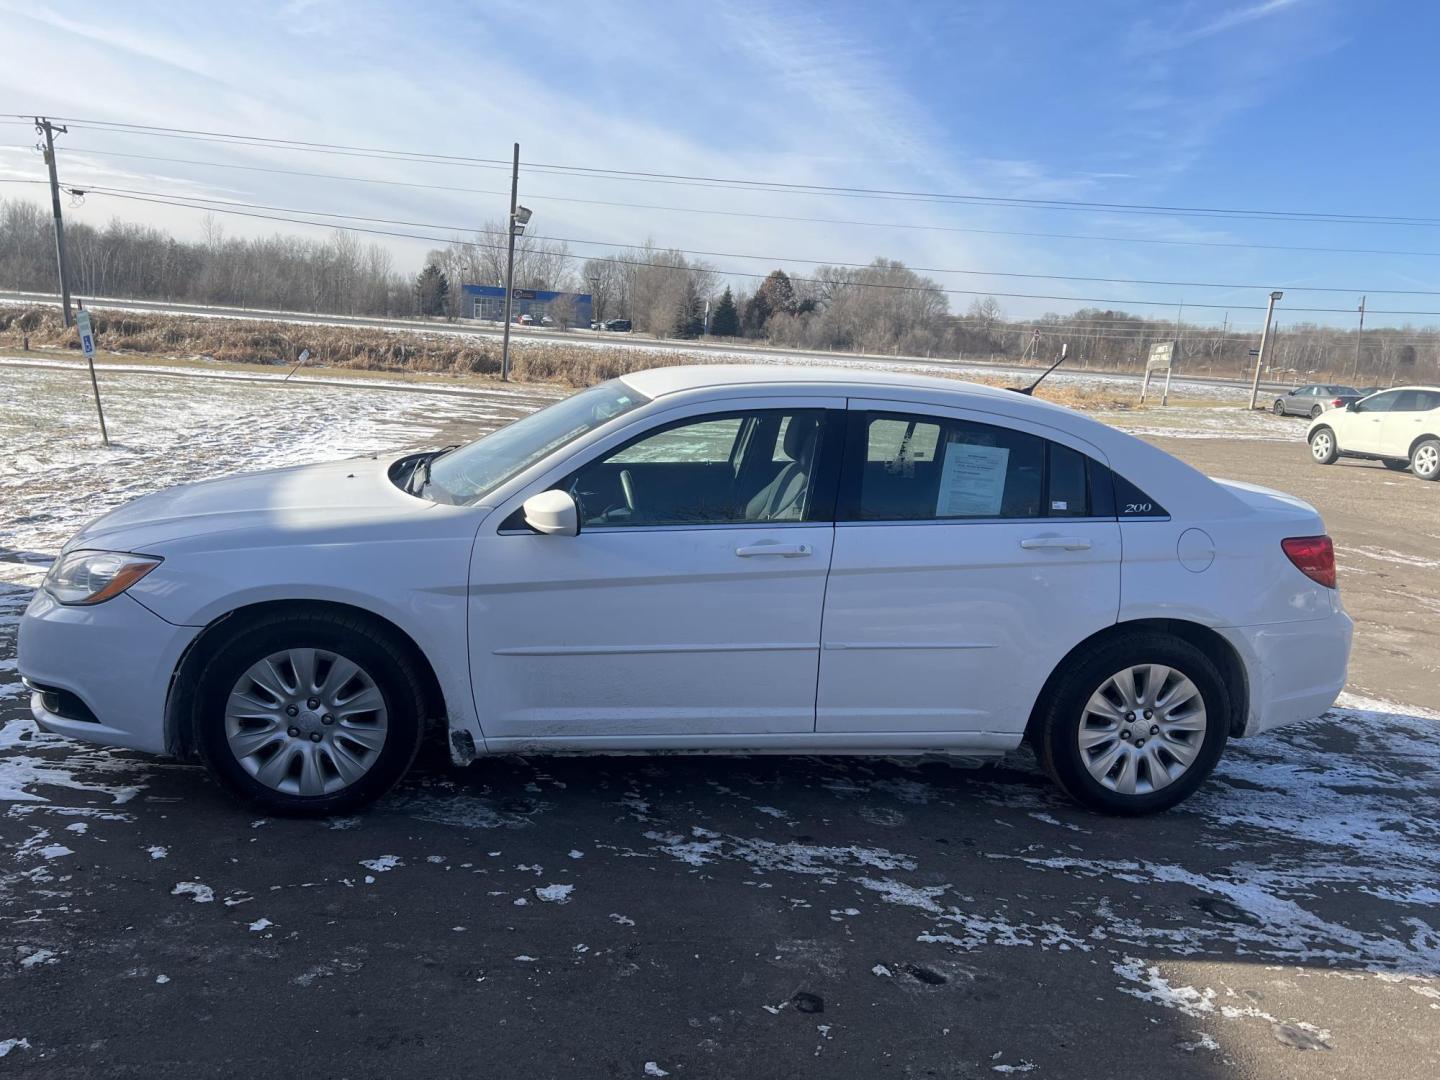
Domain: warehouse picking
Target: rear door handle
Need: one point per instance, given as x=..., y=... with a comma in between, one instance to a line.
x=785, y=551
x=1066, y=543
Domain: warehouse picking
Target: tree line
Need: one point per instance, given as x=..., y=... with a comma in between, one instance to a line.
x=883, y=308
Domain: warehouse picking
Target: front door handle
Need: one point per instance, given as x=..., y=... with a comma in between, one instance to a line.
x=785, y=551
x=1065, y=543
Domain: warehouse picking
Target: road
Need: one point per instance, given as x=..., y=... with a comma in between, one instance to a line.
x=713, y=917
x=636, y=341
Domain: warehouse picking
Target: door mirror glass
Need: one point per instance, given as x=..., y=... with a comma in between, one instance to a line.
x=553, y=513
x=1354, y=406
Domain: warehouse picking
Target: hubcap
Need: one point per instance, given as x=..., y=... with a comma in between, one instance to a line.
x=1142, y=729
x=1427, y=460
x=1320, y=445
x=306, y=722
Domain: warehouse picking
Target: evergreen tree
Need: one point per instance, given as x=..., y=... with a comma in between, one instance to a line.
x=725, y=319
x=757, y=314
x=778, y=291
x=432, y=291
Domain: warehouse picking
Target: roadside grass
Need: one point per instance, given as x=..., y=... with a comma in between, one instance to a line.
x=240, y=345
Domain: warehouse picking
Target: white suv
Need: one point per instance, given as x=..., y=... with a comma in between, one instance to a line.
x=1399, y=427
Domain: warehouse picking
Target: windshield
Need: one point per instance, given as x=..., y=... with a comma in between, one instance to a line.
x=471, y=472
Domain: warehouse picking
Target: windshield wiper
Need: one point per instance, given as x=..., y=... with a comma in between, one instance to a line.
x=420, y=475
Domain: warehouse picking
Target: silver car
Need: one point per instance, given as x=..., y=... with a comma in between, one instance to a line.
x=1313, y=400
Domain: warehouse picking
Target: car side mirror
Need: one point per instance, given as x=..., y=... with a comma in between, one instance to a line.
x=1354, y=406
x=553, y=513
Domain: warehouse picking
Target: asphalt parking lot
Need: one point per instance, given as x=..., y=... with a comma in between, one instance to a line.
x=764, y=917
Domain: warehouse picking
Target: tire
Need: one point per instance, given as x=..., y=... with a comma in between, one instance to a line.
x=1323, y=447
x=1070, y=714
x=374, y=746
x=1279, y=409
x=1395, y=466
x=1425, y=459
x=1315, y=411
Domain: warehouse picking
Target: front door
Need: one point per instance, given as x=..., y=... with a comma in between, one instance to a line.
x=689, y=604
x=968, y=561
x=1370, y=423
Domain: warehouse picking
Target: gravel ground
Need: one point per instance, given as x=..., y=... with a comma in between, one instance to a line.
x=711, y=917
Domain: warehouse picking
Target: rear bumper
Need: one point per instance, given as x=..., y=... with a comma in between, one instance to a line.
x=1296, y=669
x=115, y=658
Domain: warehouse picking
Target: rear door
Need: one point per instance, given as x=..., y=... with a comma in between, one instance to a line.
x=1407, y=420
x=971, y=555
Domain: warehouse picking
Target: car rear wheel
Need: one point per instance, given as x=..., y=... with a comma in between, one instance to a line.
x=1316, y=410
x=1135, y=726
x=1323, y=447
x=1425, y=460
x=308, y=714
x=1279, y=408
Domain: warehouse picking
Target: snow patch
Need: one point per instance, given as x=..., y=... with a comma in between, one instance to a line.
x=555, y=894
x=201, y=894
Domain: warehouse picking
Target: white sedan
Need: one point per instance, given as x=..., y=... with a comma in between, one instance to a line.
x=1399, y=427
x=703, y=559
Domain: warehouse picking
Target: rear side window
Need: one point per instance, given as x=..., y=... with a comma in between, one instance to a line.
x=1067, y=492
x=926, y=468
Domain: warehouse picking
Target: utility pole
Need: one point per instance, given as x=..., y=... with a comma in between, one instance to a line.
x=1260, y=356
x=48, y=129
x=1355, y=375
x=510, y=264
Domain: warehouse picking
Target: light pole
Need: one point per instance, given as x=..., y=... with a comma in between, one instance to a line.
x=519, y=216
x=1264, y=336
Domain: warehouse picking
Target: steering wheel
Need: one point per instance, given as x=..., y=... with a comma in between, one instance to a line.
x=627, y=488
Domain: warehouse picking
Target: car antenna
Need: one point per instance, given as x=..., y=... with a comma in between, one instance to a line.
x=1027, y=390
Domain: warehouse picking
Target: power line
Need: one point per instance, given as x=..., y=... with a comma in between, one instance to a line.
x=231, y=209
x=732, y=183
x=1090, y=237
x=780, y=258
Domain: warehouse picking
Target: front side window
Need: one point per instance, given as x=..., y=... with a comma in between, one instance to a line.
x=736, y=468
x=1381, y=402
x=919, y=468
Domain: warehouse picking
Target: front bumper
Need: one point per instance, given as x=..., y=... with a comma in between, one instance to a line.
x=116, y=658
x=1296, y=669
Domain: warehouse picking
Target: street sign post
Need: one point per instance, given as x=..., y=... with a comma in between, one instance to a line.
x=1161, y=359
x=87, y=345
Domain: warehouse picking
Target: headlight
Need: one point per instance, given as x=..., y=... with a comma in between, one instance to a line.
x=92, y=577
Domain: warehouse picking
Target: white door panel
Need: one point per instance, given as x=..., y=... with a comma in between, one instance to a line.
x=673, y=631
x=956, y=626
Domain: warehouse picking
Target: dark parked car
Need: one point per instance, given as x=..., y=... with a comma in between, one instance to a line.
x=619, y=325
x=1314, y=399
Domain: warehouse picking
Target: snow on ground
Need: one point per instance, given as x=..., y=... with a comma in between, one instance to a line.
x=55, y=475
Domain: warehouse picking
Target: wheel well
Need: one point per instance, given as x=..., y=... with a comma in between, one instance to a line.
x=1418, y=440
x=179, y=738
x=1219, y=651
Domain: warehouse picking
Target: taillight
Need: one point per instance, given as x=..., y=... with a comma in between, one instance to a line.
x=1313, y=556
x=1337, y=403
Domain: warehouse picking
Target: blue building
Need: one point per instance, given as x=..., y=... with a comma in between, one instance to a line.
x=562, y=308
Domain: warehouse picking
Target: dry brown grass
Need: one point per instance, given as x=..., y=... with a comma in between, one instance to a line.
x=244, y=342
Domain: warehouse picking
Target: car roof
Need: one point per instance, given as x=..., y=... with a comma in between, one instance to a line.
x=658, y=382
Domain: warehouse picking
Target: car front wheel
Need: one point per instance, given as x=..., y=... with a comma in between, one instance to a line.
x=1425, y=460
x=1279, y=409
x=308, y=714
x=1135, y=726
x=1323, y=447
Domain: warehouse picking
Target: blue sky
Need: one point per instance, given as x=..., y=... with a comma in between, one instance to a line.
x=1275, y=104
